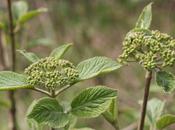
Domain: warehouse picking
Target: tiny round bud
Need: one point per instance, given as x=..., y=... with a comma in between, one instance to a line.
x=151, y=49
x=51, y=73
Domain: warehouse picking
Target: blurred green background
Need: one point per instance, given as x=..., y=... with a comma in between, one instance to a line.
x=96, y=27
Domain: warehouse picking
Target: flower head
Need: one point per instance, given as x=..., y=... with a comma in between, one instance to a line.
x=151, y=49
x=51, y=73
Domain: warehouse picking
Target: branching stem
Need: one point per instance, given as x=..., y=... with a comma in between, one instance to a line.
x=41, y=91
x=145, y=99
x=52, y=93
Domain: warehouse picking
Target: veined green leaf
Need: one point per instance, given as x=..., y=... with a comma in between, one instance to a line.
x=165, y=80
x=29, y=15
x=34, y=125
x=165, y=121
x=29, y=55
x=95, y=66
x=11, y=81
x=19, y=8
x=92, y=101
x=145, y=18
x=47, y=111
x=59, y=52
x=154, y=110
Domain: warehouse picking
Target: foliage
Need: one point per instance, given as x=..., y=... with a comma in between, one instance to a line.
x=154, y=111
x=11, y=81
x=52, y=75
x=57, y=75
x=95, y=66
x=21, y=15
x=165, y=80
x=145, y=18
x=165, y=121
x=92, y=101
x=49, y=112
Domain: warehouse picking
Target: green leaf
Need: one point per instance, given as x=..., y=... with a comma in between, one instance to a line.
x=145, y=18
x=19, y=8
x=165, y=80
x=112, y=112
x=95, y=66
x=154, y=110
x=31, y=14
x=165, y=121
x=29, y=56
x=11, y=81
x=92, y=101
x=59, y=52
x=47, y=111
x=34, y=125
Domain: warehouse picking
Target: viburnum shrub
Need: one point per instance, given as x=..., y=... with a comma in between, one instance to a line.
x=52, y=75
x=155, y=52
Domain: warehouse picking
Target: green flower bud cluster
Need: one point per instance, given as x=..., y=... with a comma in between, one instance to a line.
x=51, y=73
x=151, y=49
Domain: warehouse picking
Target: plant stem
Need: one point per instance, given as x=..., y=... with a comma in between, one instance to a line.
x=53, y=96
x=145, y=100
x=13, y=48
x=115, y=123
x=41, y=91
x=12, y=35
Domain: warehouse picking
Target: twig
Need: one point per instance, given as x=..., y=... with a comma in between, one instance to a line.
x=12, y=36
x=145, y=100
x=13, y=48
x=41, y=91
